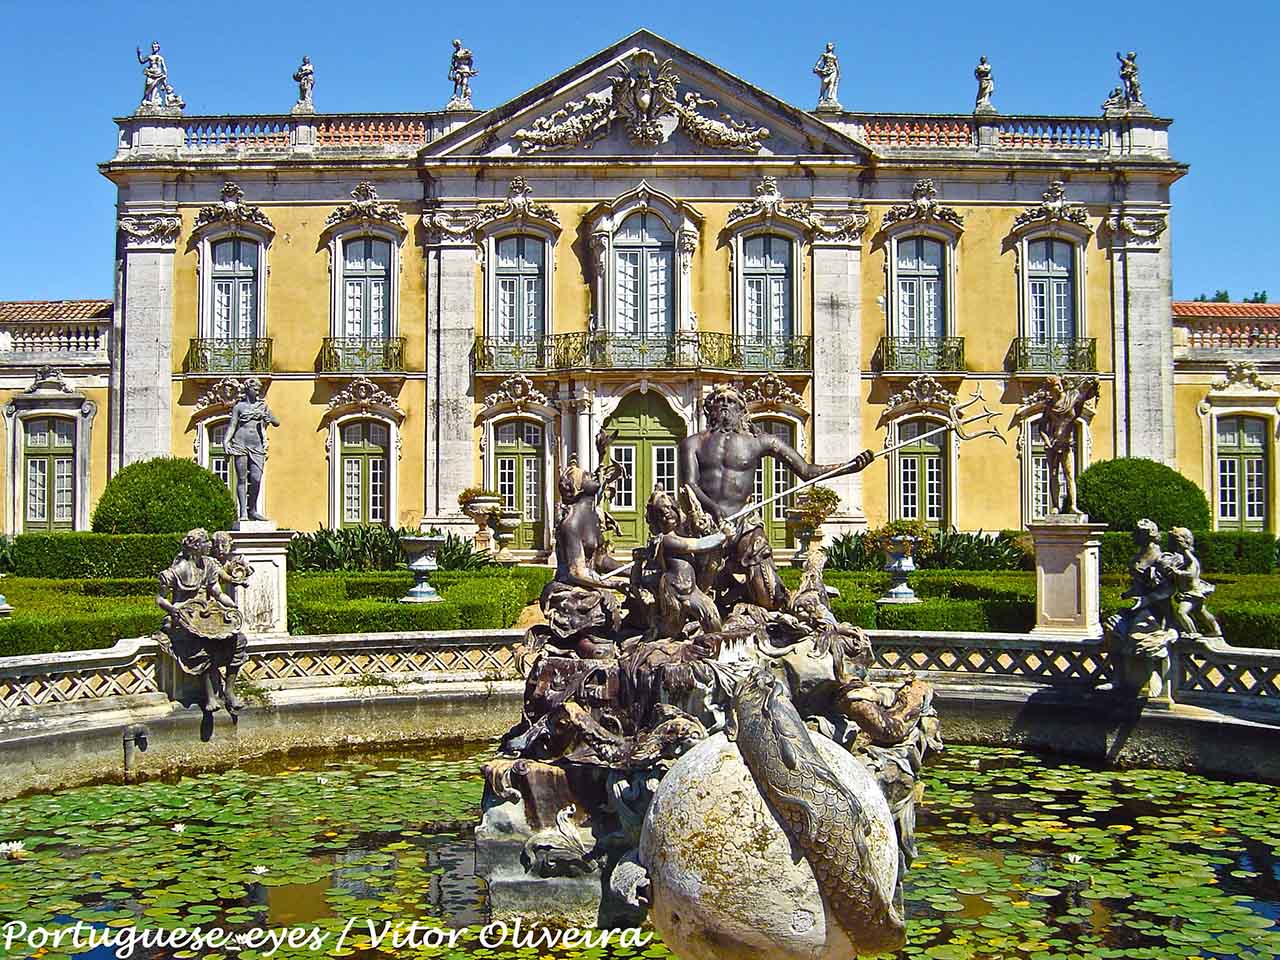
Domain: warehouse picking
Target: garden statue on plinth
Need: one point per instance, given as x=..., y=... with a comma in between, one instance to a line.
x=246, y=442
x=1168, y=605
x=203, y=628
x=1062, y=404
x=697, y=741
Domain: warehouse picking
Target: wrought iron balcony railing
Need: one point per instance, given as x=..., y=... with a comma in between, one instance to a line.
x=921, y=354
x=229, y=355
x=1064, y=355
x=362, y=355
x=567, y=351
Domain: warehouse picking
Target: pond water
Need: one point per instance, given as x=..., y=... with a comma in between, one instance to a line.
x=1020, y=856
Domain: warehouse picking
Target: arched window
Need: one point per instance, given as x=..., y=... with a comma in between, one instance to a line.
x=767, y=285
x=643, y=258
x=772, y=477
x=521, y=288
x=234, y=289
x=49, y=489
x=922, y=474
x=215, y=453
x=1051, y=296
x=366, y=292
x=920, y=312
x=364, y=465
x=1242, y=473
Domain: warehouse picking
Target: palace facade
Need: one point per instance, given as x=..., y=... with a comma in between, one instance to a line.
x=440, y=300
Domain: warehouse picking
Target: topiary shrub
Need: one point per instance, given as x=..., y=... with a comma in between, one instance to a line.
x=1122, y=492
x=164, y=495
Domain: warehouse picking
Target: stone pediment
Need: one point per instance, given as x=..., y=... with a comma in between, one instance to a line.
x=644, y=96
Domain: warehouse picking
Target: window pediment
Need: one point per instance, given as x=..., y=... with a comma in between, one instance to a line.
x=923, y=395
x=366, y=209
x=234, y=215
x=363, y=396
x=518, y=211
x=923, y=210
x=1054, y=214
x=769, y=209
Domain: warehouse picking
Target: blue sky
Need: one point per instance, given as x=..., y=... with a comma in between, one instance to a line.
x=70, y=67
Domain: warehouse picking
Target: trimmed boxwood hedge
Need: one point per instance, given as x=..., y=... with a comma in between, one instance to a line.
x=1220, y=551
x=94, y=555
x=1123, y=491
x=164, y=495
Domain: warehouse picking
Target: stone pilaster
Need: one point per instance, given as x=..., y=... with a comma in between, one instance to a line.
x=1142, y=332
x=142, y=355
x=451, y=333
x=837, y=369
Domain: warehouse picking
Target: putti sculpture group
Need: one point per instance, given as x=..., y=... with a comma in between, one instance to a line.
x=694, y=664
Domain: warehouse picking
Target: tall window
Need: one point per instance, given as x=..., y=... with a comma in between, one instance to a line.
x=1242, y=473
x=767, y=287
x=365, y=466
x=48, y=465
x=1051, y=290
x=1040, y=505
x=366, y=276
x=222, y=465
x=643, y=252
x=520, y=290
x=921, y=474
x=921, y=290
x=624, y=491
x=235, y=289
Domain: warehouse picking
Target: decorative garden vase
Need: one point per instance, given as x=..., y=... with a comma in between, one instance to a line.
x=810, y=537
x=481, y=510
x=900, y=565
x=421, y=551
x=504, y=530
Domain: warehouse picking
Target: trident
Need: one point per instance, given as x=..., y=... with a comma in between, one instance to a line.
x=956, y=420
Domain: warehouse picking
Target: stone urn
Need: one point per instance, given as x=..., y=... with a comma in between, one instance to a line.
x=505, y=526
x=810, y=536
x=481, y=510
x=421, y=552
x=900, y=565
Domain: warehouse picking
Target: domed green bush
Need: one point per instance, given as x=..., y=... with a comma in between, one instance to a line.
x=1122, y=492
x=164, y=495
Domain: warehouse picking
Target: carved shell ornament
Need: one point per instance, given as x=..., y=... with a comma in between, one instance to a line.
x=923, y=206
x=366, y=207
x=645, y=97
x=519, y=392
x=232, y=209
x=923, y=391
x=1054, y=209
x=772, y=391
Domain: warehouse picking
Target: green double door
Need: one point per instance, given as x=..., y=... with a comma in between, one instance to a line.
x=648, y=432
x=519, y=476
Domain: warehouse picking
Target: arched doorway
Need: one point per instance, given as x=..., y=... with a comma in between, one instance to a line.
x=648, y=431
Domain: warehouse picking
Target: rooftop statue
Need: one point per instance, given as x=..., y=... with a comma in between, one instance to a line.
x=305, y=78
x=1129, y=79
x=246, y=442
x=157, y=94
x=986, y=87
x=461, y=69
x=828, y=71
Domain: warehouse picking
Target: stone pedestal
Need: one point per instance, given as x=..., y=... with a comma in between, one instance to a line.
x=264, y=599
x=1067, y=571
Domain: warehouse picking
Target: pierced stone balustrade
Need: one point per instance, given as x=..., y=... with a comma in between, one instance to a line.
x=58, y=343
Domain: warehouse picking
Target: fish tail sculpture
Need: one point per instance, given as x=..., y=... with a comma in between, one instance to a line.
x=821, y=815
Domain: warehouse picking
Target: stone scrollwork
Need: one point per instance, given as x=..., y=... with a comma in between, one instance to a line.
x=1053, y=210
x=771, y=391
x=232, y=209
x=922, y=392
x=48, y=379
x=645, y=98
x=1242, y=375
x=365, y=207
x=519, y=207
x=364, y=396
x=450, y=225
x=222, y=394
x=1142, y=230
x=923, y=207
x=161, y=228
x=518, y=392
x=770, y=205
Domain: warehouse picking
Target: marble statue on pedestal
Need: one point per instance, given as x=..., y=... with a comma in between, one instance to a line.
x=986, y=87
x=246, y=442
x=305, y=78
x=828, y=71
x=1129, y=79
x=1062, y=405
x=461, y=69
x=157, y=94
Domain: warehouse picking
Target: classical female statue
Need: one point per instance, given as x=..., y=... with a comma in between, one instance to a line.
x=203, y=626
x=247, y=443
x=305, y=78
x=155, y=76
x=986, y=86
x=828, y=70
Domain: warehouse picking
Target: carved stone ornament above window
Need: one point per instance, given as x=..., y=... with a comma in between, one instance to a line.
x=49, y=380
x=1054, y=210
x=150, y=228
x=769, y=206
x=518, y=208
x=362, y=395
x=921, y=393
x=365, y=207
x=1242, y=377
x=923, y=207
x=517, y=392
x=772, y=391
x=451, y=225
x=1140, y=230
x=222, y=394
x=231, y=209
x=644, y=97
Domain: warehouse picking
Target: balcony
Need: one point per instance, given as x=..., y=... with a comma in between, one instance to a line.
x=229, y=355
x=362, y=355
x=921, y=354
x=608, y=351
x=1065, y=355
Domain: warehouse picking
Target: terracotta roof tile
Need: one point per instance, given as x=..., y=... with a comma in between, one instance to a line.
x=38, y=311
x=1229, y=311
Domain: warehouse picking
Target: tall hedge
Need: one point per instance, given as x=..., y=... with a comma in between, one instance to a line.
x=164, y=495
x=94, y=555
x=1122, y=492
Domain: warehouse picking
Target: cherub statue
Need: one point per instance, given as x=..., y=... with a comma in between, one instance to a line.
x=682, y=602
x=1061, y=405
x=1187, y=612
x=203, y=626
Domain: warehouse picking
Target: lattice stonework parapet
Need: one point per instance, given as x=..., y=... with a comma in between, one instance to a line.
x=75, y=686
x=496, y=658
x=365, y=207
x=232, y=209
x=1054, y=210
x=923, y=207
x=1042, y=663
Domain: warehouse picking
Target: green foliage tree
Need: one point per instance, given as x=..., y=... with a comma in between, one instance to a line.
x=1122, y=492
x=1259, y=297
x=1219, y=296
x=164, y=495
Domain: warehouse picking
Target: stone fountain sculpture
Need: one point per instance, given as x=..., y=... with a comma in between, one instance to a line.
x=697, y=741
